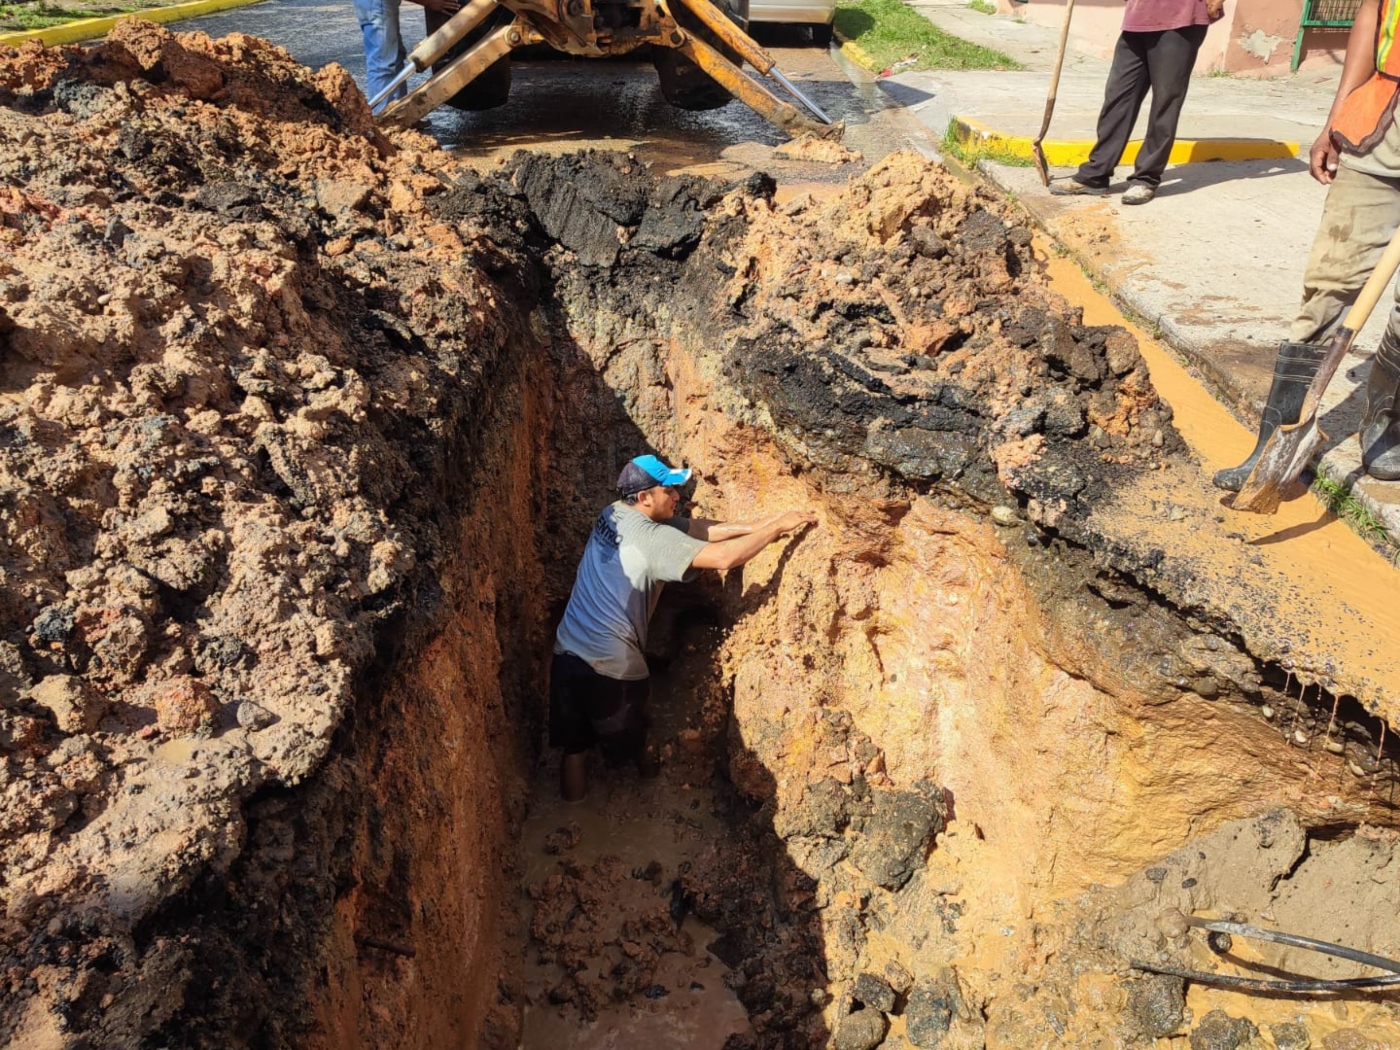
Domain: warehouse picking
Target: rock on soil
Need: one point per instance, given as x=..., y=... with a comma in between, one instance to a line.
x=938, y=1016
x=1219, y=1031
x=862, y=1030
x=891, y=841
x=874, y=993
x=1288, y=1035
x=1157, y=1003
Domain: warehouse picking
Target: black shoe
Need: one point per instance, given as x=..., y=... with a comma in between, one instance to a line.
x=1294, y=369
x=1075, y=188
x=1380, y=452
x=1380, y=424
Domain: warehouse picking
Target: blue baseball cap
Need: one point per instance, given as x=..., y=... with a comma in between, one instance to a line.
x=646, y=472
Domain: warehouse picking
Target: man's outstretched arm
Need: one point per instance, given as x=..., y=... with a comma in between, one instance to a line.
x=716, y=531
x=735, y=551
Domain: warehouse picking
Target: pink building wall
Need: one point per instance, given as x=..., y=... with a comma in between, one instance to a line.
x=1255, y=37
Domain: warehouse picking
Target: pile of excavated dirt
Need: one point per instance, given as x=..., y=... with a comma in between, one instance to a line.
x=232, y=465
x=301, y=430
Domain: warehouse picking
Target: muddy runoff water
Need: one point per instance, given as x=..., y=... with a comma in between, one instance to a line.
x=303, y=429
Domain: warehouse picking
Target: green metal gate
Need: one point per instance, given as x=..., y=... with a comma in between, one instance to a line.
x=1323, y=14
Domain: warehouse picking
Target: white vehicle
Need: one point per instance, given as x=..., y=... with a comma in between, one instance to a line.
x=814, y=13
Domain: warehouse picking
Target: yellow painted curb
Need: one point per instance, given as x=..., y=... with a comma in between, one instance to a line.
x=855, y=52
x=976, y=137
x=91, y=28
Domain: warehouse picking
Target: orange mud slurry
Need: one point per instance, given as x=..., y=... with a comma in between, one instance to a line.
x=1299, y=581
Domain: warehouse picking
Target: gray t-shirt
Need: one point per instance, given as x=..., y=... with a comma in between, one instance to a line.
x=626, y=562
x=1384, y=158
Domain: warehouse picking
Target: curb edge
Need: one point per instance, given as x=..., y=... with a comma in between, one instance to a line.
x=1065, y=153
x=92, y=28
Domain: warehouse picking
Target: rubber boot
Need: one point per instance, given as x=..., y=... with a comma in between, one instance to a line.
x=1294, y=369
x=1380, y=426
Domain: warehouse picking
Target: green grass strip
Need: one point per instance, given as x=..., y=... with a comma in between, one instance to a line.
x=1337, y=498
x=890, y=32
x=19, y=17
x=968, y=156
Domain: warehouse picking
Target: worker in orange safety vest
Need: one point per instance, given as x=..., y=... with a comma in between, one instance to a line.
x=1357, y=157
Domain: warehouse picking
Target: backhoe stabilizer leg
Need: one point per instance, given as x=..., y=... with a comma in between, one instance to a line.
x=437, y=44
x=753, y=94
x=743, y=44
x=433, y=92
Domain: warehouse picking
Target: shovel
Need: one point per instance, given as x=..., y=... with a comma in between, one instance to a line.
x=1037, y=152
x=1290, y=447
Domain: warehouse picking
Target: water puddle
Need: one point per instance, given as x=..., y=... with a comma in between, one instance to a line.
x=615, y=959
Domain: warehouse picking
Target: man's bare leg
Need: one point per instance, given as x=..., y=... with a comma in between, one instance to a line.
x=573, y=776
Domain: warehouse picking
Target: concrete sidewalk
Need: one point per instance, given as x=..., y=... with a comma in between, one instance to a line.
x=1215, y=263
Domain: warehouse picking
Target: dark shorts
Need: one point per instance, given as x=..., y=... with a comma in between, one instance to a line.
x=587, y=708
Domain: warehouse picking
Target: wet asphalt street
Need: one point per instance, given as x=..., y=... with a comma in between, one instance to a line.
x=569, y=104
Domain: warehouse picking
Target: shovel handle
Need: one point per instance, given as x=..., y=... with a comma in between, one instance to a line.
x=1055, y=73
x=1037, y=152
x=1376, y=284
x=1059, y=57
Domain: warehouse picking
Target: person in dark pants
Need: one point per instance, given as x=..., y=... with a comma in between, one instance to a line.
x=1156, y=51
x=599, y=685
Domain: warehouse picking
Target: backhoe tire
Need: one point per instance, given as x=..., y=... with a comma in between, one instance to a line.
x=684, y=84
x=492, y=88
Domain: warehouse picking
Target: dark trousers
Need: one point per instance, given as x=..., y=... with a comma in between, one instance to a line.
x=1160, y=62
x=587, y=708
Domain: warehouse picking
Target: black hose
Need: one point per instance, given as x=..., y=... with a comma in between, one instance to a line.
x=1309, y=986
x=1251, y=984
x=1292, y=939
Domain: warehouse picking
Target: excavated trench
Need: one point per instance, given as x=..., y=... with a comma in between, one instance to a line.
x=302, y=431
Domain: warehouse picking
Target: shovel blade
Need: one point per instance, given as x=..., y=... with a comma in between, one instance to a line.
x=1041, y=168
x=1285, y=456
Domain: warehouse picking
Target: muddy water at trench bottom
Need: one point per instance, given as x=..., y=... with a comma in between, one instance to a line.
x=614, y=958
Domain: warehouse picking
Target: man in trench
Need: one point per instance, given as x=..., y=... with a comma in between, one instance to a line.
x=599, y=684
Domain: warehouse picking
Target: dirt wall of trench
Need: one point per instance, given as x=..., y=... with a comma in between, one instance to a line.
x=416, y=815
x=903, y=643
x=1078, y=729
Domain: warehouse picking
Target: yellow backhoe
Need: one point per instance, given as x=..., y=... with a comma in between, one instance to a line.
x=698, y=49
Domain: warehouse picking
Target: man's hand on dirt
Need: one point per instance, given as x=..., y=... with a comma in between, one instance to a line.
x=794, y=520
x=442, y=7
x=1322, y=158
